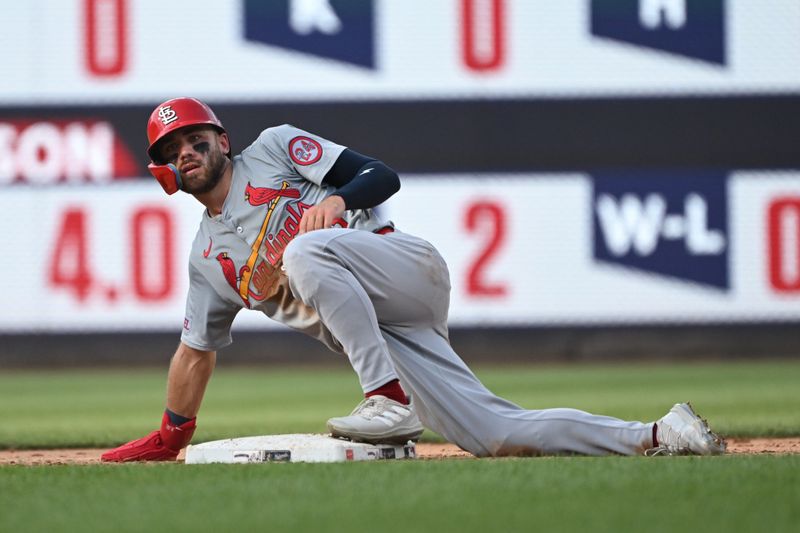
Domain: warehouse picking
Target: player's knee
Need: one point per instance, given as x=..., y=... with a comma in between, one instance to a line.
x=303, y=257
x=298, y=252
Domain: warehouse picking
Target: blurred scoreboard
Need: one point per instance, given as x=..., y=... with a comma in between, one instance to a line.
x=523, y=249
x=581, y=162
x=551, y=249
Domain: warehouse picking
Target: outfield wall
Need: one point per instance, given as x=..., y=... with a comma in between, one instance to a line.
x=572, y=266
x=484, y=346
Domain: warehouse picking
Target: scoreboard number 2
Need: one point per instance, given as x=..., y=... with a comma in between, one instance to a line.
x=486, y=219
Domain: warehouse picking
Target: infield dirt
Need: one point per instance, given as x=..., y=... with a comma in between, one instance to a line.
x=425, y=450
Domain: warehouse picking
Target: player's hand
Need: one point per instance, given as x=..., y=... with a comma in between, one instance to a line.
x=161, y=445
x=323, y=215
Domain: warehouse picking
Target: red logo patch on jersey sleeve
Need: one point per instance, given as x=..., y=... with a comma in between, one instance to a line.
x=304, y=150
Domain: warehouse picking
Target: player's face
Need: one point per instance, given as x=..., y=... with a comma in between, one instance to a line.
x=199, y=154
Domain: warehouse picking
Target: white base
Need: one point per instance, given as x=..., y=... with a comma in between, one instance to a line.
x=293, y=448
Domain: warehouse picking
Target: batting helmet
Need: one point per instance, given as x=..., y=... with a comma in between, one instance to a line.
x=170, y=116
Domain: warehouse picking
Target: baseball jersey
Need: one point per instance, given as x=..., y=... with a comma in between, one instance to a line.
x=236, y=257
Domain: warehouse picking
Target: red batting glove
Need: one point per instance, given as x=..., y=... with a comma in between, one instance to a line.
x=161, y=445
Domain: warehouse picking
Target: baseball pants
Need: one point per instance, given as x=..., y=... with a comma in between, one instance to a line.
x=385, y=299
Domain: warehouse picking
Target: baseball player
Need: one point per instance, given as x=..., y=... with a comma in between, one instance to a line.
x=288, y=230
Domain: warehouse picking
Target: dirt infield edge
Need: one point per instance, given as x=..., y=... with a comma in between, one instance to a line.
x=425, y=450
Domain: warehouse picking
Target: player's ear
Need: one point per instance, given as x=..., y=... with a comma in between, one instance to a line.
x=225, y=143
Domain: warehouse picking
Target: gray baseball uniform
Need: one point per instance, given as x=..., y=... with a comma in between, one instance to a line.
x=382, y=299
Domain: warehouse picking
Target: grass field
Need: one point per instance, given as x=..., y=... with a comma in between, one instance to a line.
x=104, y=408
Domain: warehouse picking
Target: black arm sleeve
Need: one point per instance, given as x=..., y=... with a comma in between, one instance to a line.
x=361, y=181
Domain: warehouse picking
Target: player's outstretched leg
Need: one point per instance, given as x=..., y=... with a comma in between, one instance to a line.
x=454, y=403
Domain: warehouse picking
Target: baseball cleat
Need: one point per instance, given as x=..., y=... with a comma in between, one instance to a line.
x=378, y=420
x=682, y=432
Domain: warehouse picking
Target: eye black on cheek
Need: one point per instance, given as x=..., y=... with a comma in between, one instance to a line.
x=202, y=147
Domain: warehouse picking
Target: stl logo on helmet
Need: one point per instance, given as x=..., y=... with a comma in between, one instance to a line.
x=167, y=115
x=304, y=150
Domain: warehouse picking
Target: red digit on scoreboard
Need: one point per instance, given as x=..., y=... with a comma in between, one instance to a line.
x=152, y=258
x=69, y=262
x=490, y=217
x=106, y=31
x=483, y=34
x=783, y=227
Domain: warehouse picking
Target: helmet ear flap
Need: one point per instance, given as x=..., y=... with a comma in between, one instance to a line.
x=167, y=175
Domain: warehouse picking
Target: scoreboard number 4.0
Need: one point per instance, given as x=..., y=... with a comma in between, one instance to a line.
x=72, y=266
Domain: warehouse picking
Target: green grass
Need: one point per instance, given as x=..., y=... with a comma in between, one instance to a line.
x=722, y=494
x=104, y=408
x=101, y=408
